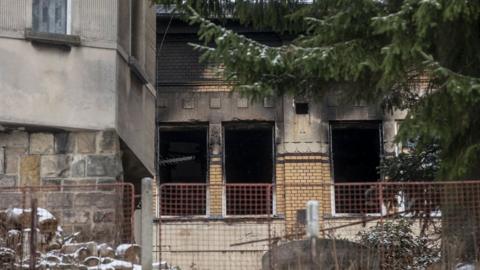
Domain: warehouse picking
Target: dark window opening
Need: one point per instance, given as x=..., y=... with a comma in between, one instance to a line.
x=49, y=16
x=301, y=108
x=183, y=168
x=183, y=156
x=356, y=149
x=248, y=152
x=249, y=155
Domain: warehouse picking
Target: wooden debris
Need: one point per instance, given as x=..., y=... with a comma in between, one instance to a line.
x=7, y=256
x=129, y=252
x=91, y=261
x=81, y=254
x=105, y=250
x=72, y=248
x=54, y=250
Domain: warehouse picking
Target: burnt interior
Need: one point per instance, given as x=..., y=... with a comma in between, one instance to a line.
x=249, y=154
x=183, y=155
x=356, y=152
x=356, y=149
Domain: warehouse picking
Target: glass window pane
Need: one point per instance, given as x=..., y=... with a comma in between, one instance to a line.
x=49, y=16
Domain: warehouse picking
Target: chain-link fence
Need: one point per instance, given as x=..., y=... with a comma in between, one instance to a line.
x=381, y=225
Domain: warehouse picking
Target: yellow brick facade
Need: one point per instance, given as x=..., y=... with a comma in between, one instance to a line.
x=300, y=178
x=215, y=188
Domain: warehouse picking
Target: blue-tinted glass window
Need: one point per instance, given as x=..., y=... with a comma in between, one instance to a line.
x=49, y=16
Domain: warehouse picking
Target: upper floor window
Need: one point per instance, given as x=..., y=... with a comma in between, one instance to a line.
x=50, y=16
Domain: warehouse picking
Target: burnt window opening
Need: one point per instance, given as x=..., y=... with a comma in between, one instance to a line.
x=301, y=108
x=356, y=149
x=248, y=153
x=183, y=155
x=182, y=165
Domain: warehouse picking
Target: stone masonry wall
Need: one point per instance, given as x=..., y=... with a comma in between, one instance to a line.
x=49, y=158
x=59, y=159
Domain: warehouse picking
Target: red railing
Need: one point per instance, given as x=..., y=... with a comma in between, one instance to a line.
x=248, y=199
x=182, y=199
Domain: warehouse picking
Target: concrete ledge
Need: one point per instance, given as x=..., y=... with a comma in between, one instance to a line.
x=51, y=38
x=228, y=220
x=137, y=70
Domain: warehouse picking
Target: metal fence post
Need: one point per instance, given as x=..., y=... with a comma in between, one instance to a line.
x=269, y=224
x=312, y=219
x=33, y=234
x=312, y=230
x=147, y=224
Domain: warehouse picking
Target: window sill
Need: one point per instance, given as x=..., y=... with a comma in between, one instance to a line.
x=51, y=38
x=227, y=219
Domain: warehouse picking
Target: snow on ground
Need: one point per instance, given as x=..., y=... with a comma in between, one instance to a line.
x=465, y=267
x=43, y=214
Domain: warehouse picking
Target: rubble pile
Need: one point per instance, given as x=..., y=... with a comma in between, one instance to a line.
x=57, y=251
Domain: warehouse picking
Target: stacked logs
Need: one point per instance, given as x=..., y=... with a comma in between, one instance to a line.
x=55, y=251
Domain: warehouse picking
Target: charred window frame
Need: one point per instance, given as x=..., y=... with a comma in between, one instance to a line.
x=355, y=149
x=183, y=170
x=249, y=163
x=51, y=16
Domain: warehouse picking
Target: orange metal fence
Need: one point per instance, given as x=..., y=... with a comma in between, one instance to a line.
x=234, y=226
x=65, y=213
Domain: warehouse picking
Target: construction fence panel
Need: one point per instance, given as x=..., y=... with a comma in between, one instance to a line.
x=62, y=215
x=207, y=231
x=385, y=225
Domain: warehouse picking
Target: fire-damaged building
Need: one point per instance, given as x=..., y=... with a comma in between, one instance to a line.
x=226, y=162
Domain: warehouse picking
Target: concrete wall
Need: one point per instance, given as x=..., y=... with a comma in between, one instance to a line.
x=206, y=245
x=15, y=16
x=55, y=86
x=94, y=21
x=136, y=115
x=136, y=101
x=44, y=85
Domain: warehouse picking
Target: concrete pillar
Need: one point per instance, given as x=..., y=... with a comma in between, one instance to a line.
x=312, y=219
x=147, y=224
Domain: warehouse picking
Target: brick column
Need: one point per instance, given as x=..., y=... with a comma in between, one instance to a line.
x=280, y=185
x=215, y=180
x=216, y=187
x=307, y=177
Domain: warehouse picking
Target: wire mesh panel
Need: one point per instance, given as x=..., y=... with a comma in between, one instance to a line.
x=190, y=238
x=408, y=225
x=183, y=199
x=249, y=199
x=356, y=199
